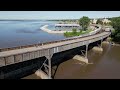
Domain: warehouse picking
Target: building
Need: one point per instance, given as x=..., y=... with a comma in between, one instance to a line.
x=94, y=21
x=67, y=27
x=106, y=21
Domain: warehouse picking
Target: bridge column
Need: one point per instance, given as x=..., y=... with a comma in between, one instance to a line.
x=49, y=66
x=101, y=42
x=83, y=57
x=86, y=51
x=98, y=48
x=47, y=73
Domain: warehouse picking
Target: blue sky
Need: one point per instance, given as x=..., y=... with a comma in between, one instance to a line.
x=56, y=14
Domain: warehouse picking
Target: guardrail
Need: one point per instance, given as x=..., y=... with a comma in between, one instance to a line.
x=40, y=44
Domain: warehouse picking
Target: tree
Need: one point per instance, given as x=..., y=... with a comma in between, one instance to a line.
x=99, y=22
x=84, y=22
x=74, y=30
x=115, y=22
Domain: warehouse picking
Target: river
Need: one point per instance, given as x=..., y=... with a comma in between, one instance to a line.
x=23, y=32
x=106, y=65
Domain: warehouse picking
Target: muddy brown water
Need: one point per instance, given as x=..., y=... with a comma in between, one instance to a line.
x=106, y=65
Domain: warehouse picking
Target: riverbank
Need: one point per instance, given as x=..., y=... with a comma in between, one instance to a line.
x=115, y=44
x=112, y=43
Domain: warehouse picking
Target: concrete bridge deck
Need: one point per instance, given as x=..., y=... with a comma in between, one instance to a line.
x=36, y=48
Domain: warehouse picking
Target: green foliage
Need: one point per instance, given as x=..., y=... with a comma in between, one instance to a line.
x=75, y=33
x=84, y=22
x=115, y=22
x=116, y=37
x=107, y=24
x=74, y=30
x=99, y=22
x=81, y=31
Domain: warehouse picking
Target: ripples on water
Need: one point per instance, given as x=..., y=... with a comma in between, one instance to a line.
x=105, y=65
x=27, y=31
x=18, y=32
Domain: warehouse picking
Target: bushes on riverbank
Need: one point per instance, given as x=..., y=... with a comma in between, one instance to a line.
x=115, y=22
x=76, y=33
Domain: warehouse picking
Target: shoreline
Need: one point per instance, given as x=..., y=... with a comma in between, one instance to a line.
x=112, y=43
x=44, y=28
x=115, y=44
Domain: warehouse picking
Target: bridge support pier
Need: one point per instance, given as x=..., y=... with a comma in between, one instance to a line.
x=86, y=52
x=99, y=47
x=84, y=57
x=101, y=42
x=107, y=41
x=110, y=41
x=47, y=66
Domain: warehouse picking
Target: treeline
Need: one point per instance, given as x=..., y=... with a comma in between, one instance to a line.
x=115, y=22
x=84, y=22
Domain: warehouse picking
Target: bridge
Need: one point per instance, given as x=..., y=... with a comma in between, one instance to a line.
x=9, y=56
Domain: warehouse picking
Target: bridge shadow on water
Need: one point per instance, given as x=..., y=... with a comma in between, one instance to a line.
x=77, y=70
x=71, y=53
x=22, y=69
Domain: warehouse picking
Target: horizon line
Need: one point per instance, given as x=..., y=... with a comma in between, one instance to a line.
x=54, y=18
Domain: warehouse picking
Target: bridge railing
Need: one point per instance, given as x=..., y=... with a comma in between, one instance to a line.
x=52, y=42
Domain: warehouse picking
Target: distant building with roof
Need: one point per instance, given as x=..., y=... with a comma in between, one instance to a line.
x=67, y=27
x=94, y=21
x=105, y=20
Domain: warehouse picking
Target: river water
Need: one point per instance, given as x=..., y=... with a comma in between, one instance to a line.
x=106, y=65
x=23, y=32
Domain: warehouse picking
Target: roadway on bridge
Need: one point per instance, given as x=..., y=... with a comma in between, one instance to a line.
x=30, y=49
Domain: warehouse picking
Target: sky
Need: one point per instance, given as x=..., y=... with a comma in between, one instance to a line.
x=56, y=14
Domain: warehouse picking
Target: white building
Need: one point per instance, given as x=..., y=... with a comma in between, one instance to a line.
x=106, y=21
x=90, y=21
x=67, y=27
x=94, y=21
